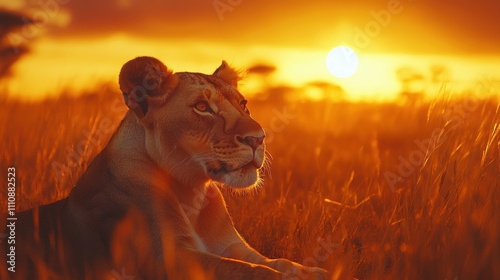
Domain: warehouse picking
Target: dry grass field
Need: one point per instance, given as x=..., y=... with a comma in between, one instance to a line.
x=370, y=190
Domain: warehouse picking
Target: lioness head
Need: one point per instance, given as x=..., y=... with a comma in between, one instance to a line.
x=197, y=126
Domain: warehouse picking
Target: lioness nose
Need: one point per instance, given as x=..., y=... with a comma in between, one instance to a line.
x=253, y=142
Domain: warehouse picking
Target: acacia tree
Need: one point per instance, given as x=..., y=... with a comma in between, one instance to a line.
x=412, y=84
x=263, y=71
x=9, y=53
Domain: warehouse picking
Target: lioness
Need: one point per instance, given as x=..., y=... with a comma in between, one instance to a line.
x=147, y=206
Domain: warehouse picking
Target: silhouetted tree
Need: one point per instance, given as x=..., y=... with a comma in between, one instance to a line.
x=329, y=91
x=411, y=84
x=263, y=72
x=439, y=74
x=9, y=53
x=261, y=69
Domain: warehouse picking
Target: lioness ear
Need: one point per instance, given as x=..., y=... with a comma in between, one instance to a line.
x=227, y=74
x=145, y=80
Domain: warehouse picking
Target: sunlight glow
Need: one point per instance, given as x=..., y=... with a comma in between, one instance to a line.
x=79, y=63
x=342, y=62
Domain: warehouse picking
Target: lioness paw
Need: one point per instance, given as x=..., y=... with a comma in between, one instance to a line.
x=306, y=273
x=295, y=271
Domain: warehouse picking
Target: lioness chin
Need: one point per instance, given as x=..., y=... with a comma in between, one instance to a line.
x=147, y=206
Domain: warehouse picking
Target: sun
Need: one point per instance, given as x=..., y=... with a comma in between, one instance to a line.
x=342, y=62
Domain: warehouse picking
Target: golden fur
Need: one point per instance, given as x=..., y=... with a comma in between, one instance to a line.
x=148, y=204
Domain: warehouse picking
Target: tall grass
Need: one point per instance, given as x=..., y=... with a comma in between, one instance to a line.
x=328, y=182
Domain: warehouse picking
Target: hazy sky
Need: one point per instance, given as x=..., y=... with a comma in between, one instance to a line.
x=90, y=39
x=419, y=27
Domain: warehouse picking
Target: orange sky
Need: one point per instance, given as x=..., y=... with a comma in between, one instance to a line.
x=79, y=40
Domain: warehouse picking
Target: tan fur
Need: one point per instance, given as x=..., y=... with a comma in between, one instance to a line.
x=149, y=204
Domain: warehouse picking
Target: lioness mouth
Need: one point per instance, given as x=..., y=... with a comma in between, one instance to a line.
x=217, y=173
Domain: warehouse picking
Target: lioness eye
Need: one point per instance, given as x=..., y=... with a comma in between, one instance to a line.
x=201, y=106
